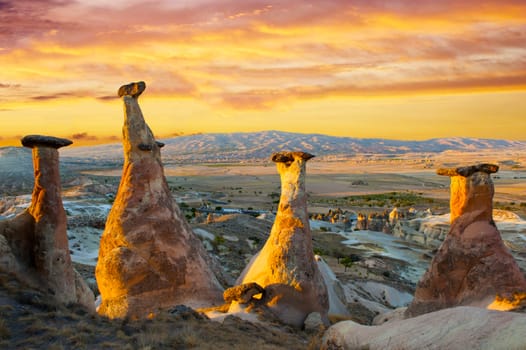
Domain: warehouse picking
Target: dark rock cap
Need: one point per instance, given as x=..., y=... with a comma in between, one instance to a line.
x=132, y=89
x=145, y=147
x=469, y=170
x=288, y=157
x=44, y=141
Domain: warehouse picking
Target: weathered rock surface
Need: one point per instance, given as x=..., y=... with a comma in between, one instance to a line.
x=456, y=328
x=149, y=258
x=35, y=242
x=285, y=267
x=472, y=266
x=243, y=293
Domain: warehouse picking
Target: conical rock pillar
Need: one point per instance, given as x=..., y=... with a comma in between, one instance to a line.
x=38, y=236
x=149, y=258
x=285, y=267
x=472, y=266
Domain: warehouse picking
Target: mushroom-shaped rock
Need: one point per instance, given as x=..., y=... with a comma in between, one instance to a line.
x=38, y=236
x=285, y=267
x=149, y=258
x=472, y=266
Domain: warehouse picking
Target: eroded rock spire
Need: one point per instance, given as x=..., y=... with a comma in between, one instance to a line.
x=472, y=266
x=149, y=258
x=285, y=267
x=38, y=236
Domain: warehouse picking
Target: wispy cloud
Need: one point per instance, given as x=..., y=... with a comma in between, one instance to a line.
x=254, y=55
x=83, y=136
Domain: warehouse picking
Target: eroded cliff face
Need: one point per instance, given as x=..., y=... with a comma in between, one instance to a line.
x=36, y=243
x=285, y=267
x=149, y=258
x=472, y=266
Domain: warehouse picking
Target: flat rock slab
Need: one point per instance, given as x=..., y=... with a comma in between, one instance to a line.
x=468, y=170
x=44, y=141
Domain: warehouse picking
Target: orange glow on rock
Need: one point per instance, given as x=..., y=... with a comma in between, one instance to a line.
x=502, y=304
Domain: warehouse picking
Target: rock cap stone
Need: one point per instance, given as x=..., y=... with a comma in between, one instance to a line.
x=132, y=89
x=45, y=141
x=469, y=170
x=288, y=157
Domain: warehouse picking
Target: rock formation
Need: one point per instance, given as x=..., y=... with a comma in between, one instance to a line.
x=361, y=222
x=285, y=267
x=472, y=266
x=456, y=328
x=35, y=242
x=149, y=258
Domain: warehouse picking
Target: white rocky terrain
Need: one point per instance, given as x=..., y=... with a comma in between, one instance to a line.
x=455, y=328
x=431, y=230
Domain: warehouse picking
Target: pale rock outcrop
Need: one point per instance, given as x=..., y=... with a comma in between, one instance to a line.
x=35, y=242
x=472, y=266
x=456, y=328
x=285, y=267
x=149, y=258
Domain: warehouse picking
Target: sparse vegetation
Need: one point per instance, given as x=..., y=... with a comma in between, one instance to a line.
x=26, y=324
x=347, y=262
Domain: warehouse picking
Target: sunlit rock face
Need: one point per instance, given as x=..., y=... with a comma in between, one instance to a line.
x=149, y=258
x=38, y=236
x=472, y=266
x=285, y=267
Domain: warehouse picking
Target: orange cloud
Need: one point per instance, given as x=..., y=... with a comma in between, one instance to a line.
x=251, y=55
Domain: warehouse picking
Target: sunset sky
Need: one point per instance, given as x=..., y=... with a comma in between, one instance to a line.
x=367, y=68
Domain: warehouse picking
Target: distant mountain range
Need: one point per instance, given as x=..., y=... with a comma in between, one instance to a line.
x=255, y=146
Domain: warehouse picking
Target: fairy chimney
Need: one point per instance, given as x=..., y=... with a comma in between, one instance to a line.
x=472, y=266
x=149, y=258
x=38, y=236
x=285, y=267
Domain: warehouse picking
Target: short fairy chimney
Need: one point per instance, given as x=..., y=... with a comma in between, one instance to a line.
x=285, y=267
x=38, y=236
x=149, y=258
x=472, y=266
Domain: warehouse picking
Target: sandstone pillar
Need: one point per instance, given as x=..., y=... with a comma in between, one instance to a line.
x=285, y=267
x=149, y=258
x=472, y=266
x=51, y=250
x=37, y=238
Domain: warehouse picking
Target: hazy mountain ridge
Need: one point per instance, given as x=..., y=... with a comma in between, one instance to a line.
x=258, y=146
x=234, y=147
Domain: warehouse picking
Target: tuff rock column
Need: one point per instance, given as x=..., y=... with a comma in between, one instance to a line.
x=51, y=250
x=472, y=266
x=149, y=258
x=285, y=267
x=38, y=236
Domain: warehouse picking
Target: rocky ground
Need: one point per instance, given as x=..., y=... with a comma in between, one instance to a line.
x=376, y=272
x=30, y=320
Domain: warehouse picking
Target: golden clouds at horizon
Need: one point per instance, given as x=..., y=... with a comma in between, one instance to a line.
x=239, y=66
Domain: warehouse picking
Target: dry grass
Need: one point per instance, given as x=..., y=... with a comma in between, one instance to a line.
x=31, y=320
